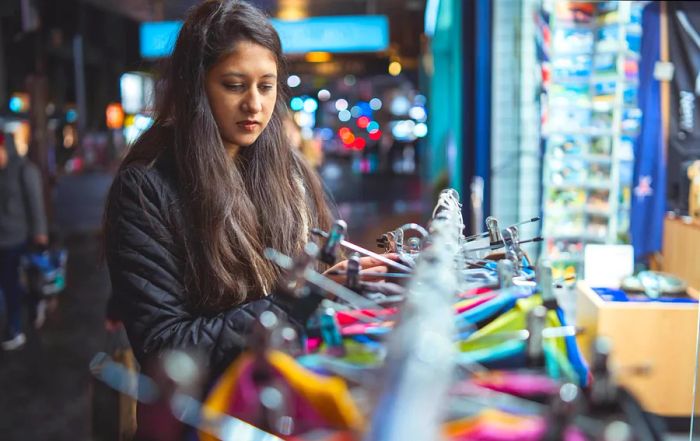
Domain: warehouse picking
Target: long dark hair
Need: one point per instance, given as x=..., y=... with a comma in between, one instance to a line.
x=268, y=198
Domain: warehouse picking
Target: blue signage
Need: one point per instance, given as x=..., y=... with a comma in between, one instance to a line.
x=158, y=38
x=344, y=33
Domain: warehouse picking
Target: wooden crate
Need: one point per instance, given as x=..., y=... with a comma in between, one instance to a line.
x=660, y=336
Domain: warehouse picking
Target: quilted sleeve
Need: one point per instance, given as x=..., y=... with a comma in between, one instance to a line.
x=147, y=281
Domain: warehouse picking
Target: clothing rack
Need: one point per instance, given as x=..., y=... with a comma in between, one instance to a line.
x=454, y=353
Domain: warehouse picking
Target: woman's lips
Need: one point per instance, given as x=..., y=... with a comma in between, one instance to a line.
x=248, y=126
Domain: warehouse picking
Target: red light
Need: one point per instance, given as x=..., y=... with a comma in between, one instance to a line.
x=360, y=143
x=362, y=122
x=342, y=131
x=374, y=136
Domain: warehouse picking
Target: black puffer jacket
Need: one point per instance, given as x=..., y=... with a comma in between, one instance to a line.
x=146, y=262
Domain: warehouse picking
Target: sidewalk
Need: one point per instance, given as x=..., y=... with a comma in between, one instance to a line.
x=45, y=385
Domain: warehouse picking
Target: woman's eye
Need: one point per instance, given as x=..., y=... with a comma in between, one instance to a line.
x=236, y=86
x=266, y=87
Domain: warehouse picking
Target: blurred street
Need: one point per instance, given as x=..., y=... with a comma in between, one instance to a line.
x=46, y=385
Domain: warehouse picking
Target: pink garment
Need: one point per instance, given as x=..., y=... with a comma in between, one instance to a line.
x=351, y=317
x=479, y=301
x=313, y=344
x=520, y=384
x=366, y=328
x=474, y=292
x=244, y=403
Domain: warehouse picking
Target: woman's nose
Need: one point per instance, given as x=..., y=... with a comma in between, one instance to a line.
x=252, y=102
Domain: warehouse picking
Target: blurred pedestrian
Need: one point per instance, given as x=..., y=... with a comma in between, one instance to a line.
x=206, y=189
x=22, y=223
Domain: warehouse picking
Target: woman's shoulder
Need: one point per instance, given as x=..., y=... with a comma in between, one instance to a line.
x=156, y=177
x=142, y=192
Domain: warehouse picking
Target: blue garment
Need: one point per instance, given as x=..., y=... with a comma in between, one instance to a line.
x=649, y=181
x=498, y=305
x=574, y=353
x=11, y=289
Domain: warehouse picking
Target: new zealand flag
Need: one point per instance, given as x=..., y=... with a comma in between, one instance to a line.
x=649, y=192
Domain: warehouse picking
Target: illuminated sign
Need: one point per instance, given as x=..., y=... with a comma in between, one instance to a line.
x=158, y=38
x=136, y=91
x=343, y=33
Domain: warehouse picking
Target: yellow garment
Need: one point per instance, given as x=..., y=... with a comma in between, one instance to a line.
x=511, y=321
x=516, y=320
x=329, y=396
x=465, y=303
x=494, y=417
x=556, y=354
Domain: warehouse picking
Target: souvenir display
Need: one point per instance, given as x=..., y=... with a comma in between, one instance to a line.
x=590, y=120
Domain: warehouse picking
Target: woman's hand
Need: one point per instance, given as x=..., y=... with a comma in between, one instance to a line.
x=368, y=265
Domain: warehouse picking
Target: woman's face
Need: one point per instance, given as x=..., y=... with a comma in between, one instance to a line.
x=242, y=90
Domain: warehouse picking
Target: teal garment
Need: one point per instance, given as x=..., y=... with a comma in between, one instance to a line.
x=499, y=305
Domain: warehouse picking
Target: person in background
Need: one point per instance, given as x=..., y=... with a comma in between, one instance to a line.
x=22, y=223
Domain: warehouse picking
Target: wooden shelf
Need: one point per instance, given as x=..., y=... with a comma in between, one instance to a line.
x=658, y=336
x=681, y=249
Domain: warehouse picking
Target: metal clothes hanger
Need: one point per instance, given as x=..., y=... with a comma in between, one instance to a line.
x=351, y=246
x=489, y=233
x=326, y=285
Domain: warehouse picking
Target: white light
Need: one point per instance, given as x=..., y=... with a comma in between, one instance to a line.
x=324, y=95
x=131, y=86
x=142, y=122
x=131, y=134
x=400, y=105
x=375, y=104
x=304, y=119
x=420, y=130
x=310, y=105
x=431, y=15
x=403, y=130
x=344, y=115
x=417, y=113
x=356, y=111
x=307, y=133
x=293, y=81
x=341, y=105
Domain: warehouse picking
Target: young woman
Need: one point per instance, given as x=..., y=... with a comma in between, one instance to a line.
x=206, y=189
